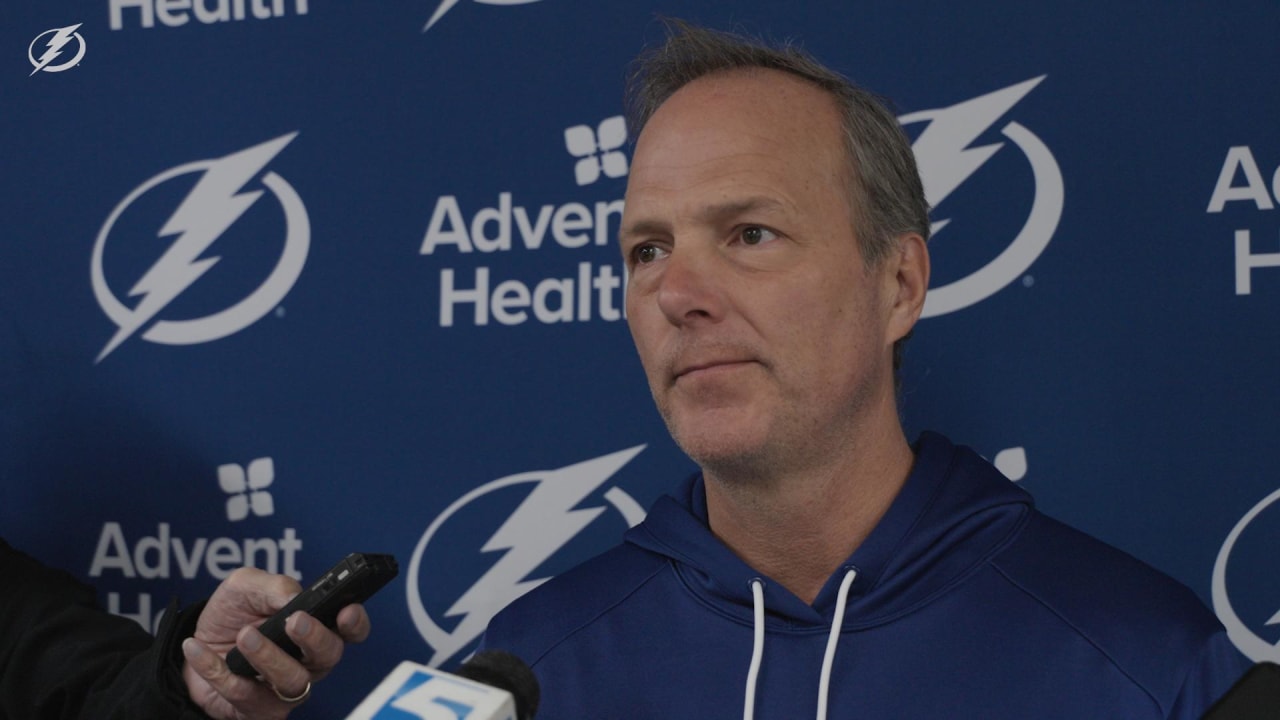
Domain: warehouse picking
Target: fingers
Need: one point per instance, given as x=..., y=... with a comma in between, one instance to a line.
x=284, y=681
x=321, y=650
x=277, y=668
x=221, y=693
x=202, y=660
x=262, y=592
x=247, y=596
x=231, y=618
x=353, y=624
x=321, y=647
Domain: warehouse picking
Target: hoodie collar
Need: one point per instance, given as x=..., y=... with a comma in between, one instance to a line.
x=954, y=511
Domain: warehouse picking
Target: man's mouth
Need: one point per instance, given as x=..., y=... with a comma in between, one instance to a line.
x=710, y=367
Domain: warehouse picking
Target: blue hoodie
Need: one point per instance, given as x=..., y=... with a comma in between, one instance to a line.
x=963, y=602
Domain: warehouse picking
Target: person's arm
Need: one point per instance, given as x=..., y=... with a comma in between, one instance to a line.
x=62, y=658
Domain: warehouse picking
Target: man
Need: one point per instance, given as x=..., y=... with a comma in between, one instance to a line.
x=775, y=232
x=61, y=657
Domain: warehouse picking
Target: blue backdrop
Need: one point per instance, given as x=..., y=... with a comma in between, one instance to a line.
x=284, y=279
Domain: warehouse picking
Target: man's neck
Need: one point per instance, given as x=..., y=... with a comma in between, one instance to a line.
x=799, y=527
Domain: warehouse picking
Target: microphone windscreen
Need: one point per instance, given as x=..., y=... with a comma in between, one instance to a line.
x=501, y=669
x=1255, y=696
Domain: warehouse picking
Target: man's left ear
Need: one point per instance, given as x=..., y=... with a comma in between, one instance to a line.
x=908, y=278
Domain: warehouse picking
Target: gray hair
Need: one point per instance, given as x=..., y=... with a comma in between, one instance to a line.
x=888, y=198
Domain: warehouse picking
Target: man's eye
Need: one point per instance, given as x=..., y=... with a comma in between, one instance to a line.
x=754, y=235
x=646, y=254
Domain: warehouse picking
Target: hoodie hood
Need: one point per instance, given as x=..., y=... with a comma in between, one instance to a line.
x=953, y=513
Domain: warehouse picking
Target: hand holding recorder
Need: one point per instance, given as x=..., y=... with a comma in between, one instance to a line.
x=294, y=618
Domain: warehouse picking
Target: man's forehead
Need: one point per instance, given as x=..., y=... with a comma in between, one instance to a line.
x=741, y=111
x=762, y=127
x=750, y=81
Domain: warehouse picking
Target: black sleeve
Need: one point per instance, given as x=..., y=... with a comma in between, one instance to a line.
x=62, y=658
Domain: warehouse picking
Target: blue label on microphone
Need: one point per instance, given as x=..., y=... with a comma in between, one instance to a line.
x=429, y=697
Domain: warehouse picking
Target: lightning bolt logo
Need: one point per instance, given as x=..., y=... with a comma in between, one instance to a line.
x=1254, y=646
x=547, y=519
x=942, y=150
x=212, y=206
x=946, y=161
x=447, y=5
x=53, y=49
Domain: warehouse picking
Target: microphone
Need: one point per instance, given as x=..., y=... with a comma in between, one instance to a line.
x=492, y=685
x=1255, y=696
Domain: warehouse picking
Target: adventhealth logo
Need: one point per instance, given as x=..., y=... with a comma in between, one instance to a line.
x=585, y=293
x=210, y=209
x=55, y=47
x=548, y=518
x=447, y=5
x=599, y=149
x=1255, y=196
x=946, y=161
x=174, y=13
x=247, y=488
x=137, y=555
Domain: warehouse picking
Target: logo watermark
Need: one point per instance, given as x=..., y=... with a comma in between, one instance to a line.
x=55, y=47
x=598, y=149
x=1248, y=641
x=247, y=488
x=547, y=519
x=447, y=5
x=946, y=161
x=209, y=210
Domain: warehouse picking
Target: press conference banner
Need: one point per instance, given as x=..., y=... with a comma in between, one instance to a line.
x=287, y=279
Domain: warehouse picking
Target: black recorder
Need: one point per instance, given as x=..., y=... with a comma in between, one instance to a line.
x=353, y=580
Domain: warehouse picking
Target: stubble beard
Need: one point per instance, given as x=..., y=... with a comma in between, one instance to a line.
x=755, y=461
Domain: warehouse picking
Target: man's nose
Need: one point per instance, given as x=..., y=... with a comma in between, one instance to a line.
x=690, y=289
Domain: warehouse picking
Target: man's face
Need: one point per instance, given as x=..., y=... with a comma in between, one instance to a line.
x=763, y=334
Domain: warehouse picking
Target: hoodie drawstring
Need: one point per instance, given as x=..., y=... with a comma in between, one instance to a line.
x=828, y=659
x=757, y=650
x=824, y=683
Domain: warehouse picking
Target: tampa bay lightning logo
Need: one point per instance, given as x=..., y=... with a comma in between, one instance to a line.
x=55, y=47
x=447, y=5
x=214, y=204
x=946, y=161
x=1251, y=530
x=543, y=523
